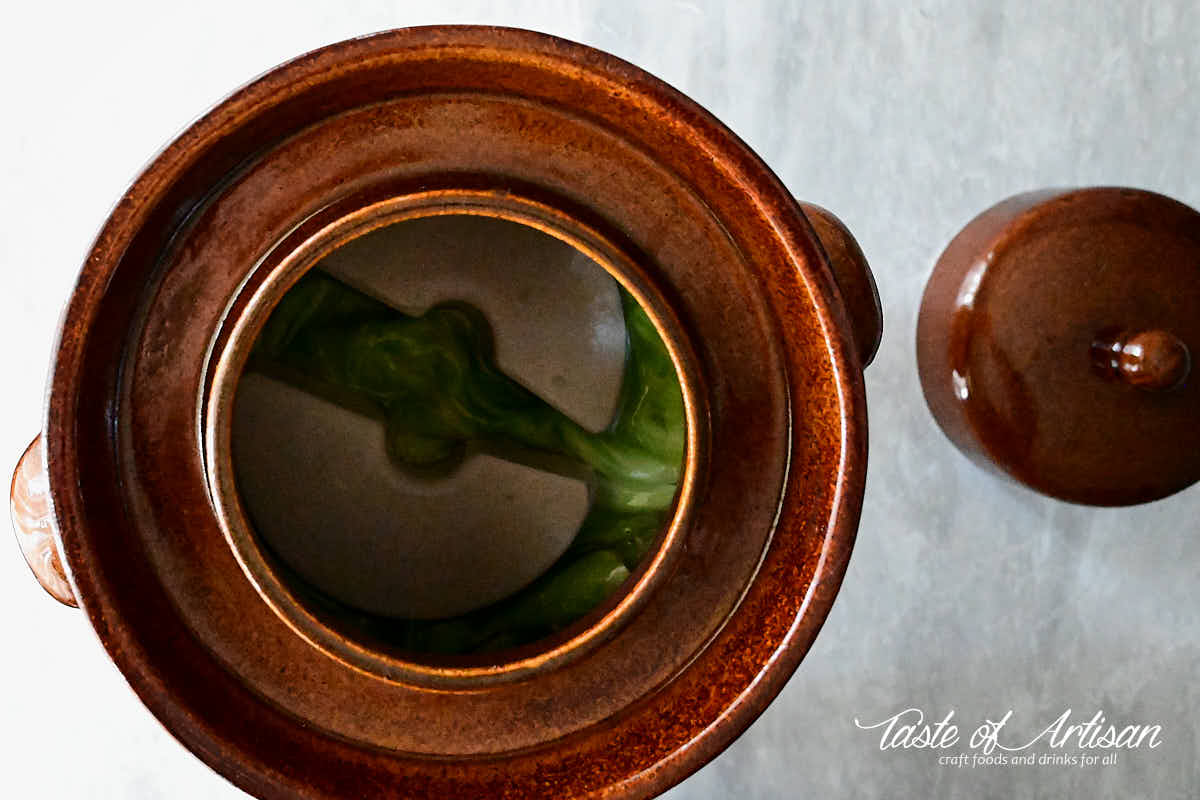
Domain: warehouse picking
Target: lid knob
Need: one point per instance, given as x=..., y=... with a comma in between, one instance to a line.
x=1154, y=360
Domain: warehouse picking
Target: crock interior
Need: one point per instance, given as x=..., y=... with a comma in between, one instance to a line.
x=456, y=439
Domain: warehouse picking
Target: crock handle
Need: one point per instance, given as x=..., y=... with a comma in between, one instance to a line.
x=853, y=277
x=33, y=522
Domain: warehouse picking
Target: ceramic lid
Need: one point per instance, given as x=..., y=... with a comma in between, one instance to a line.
x=1063, y=327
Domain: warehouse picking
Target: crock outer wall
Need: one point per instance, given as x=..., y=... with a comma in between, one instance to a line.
x=261, y=762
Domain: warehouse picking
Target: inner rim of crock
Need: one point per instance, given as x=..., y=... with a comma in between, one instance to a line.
x=342, y=635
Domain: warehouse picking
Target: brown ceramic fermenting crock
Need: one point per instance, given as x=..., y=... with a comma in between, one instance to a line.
x=1056, y=339
x=125, y=505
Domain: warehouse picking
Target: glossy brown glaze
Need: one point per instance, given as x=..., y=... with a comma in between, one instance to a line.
x=1157, y=361
x=709, y=238
x=1054, y=343
x=33, y=523
x=854, y=280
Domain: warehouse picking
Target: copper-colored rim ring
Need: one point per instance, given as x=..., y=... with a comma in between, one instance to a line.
x=333, y=228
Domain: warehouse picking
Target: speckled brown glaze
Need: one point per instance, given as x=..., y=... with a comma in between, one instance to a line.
x=33, y=523
x=731, y=270
x=1055, y=343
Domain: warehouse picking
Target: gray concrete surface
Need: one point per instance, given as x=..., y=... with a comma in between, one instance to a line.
x=964, y=592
